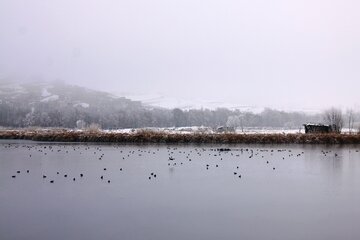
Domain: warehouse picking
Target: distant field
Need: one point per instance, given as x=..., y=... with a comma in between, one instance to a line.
x=148, y=136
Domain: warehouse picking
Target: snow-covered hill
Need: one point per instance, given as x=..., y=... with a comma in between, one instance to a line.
x=57, y=93
x=58, y=104
x=169, y=102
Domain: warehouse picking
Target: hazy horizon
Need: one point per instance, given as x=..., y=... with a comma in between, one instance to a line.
x=278, y=54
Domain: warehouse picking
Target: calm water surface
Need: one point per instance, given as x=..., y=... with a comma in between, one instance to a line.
x=303, y=192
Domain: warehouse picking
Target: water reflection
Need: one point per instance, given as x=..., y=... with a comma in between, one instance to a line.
x=285, y=192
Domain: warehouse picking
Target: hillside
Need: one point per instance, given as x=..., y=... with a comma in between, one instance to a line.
x=57, y=104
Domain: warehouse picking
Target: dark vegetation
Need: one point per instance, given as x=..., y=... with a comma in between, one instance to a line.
x=63, y=135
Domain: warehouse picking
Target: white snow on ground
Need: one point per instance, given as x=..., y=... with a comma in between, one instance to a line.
x=191, y=130
x=45, y=93
x=50, y=98
x=269, y=131
x=124, y=130
x=195, y=129
x=181, y=130
x=84, y=105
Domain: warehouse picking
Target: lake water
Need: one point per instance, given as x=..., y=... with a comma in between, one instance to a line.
x=303, y=192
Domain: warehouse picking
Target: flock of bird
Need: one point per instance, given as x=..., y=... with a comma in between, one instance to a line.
x=175, y=156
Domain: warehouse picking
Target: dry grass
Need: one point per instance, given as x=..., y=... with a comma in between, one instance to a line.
x=64, y=135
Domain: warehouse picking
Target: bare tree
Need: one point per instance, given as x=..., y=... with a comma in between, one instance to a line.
x=334, y=118
x=233, y=122
x=350, y=116
x=80, y=124
x=241, y=118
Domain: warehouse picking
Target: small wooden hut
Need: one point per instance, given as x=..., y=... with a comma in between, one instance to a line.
x=317, y=128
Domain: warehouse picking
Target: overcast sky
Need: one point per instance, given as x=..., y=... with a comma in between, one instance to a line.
x=276, y=53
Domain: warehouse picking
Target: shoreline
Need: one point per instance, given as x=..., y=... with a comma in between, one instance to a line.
x=66, y=135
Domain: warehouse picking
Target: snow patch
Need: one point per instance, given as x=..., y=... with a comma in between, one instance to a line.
x=202, y=129
x=50, y=98
x=45, y=93
x=84, y=105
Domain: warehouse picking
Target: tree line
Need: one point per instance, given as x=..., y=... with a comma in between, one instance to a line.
x=48, y=115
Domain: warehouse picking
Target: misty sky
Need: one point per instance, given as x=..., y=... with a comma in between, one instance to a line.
x=276, y=53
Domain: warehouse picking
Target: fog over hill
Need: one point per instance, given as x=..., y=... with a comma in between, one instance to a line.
x=169, y=101
x=57, y=104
